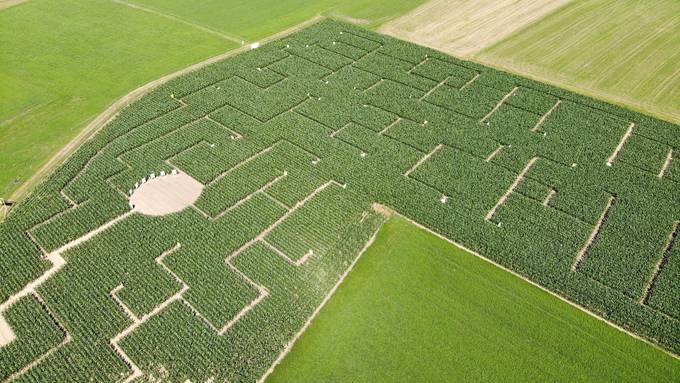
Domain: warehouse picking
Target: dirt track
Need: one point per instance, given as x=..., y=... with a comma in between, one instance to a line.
x=463, y=27
x=110, y=112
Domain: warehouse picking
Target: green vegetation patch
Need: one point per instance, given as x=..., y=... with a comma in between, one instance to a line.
x=59, y=72
x=417, y=308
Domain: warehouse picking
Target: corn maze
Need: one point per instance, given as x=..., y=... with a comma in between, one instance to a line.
x=294, y=142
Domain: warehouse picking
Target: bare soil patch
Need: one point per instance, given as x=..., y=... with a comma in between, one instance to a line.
x=4, y=4
x=382, y=209
x=6, y=333
x=166, y=194
x=464, y=27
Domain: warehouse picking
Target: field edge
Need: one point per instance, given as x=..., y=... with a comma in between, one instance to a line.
x=602, y=96
x=119, y=104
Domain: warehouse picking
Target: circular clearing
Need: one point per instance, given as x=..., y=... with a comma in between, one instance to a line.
x=166, y=194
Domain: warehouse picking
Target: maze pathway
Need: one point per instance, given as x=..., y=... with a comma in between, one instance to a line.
x=292, y=144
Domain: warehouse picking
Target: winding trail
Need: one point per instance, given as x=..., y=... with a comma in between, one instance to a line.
x=58, y=263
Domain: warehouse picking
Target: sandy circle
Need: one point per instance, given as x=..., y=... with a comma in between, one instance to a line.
x=166, y=194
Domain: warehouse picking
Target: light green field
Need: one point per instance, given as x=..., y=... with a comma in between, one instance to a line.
x=63, y=62
x=417, y=308
x=251, y=20
x=626, y=51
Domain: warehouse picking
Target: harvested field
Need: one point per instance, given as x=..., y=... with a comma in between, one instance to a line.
x=626, y=51
x=463, y=27
x=294, y=143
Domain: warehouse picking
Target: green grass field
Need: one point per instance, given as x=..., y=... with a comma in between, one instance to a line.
x=626, y=51
x=266, y=17
x=418, y=309
x=63, y=62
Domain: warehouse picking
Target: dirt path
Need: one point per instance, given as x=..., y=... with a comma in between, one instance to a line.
x=511, y=189
x=113, y=109
x=4, y=4
x=593, y=234
x=57, y=261
x=6, y=333
x=464, y=27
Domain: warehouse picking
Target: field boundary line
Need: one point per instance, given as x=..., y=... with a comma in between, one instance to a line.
x=291, y=343
x=226, y=36
x=112, y=110
x=309, y=321
x=5, y=4
x=585, y=310
x=538, y=75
